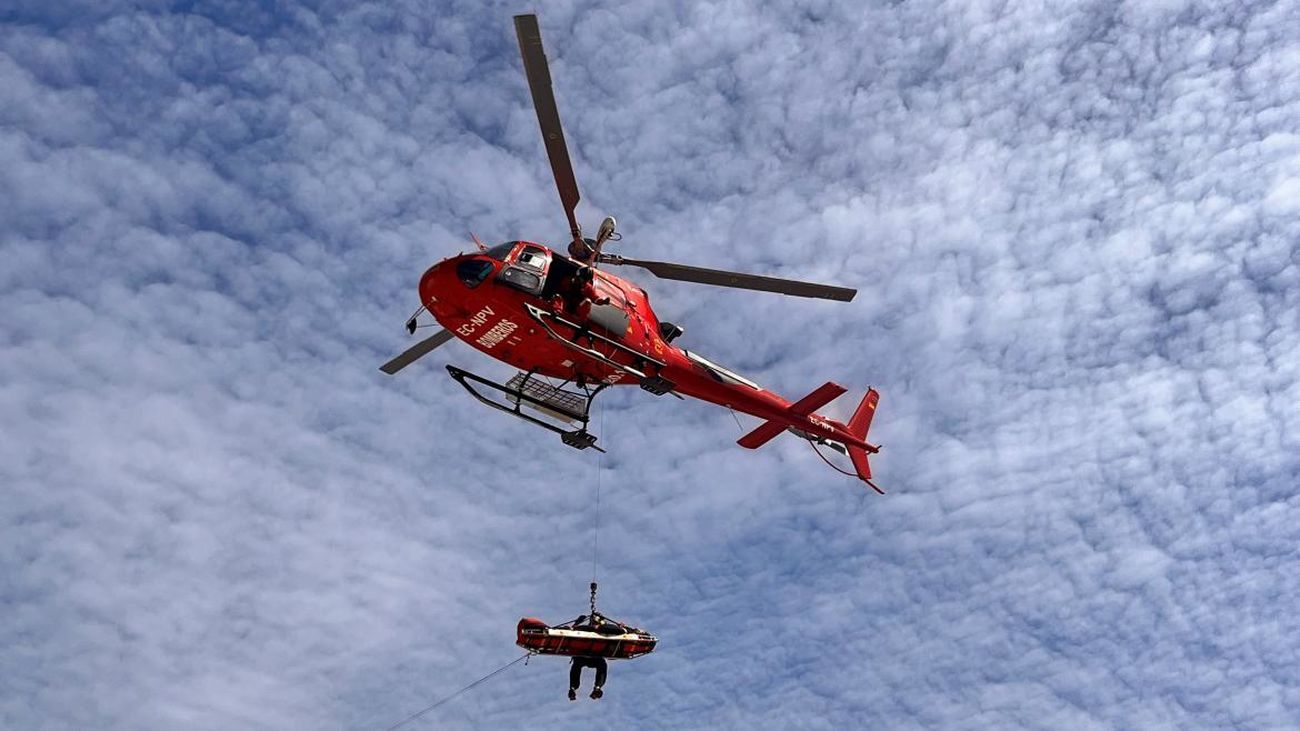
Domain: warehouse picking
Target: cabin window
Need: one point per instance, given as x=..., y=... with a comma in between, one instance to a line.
x=472, y=272
x=533, y=258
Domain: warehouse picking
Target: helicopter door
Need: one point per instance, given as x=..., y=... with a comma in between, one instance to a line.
x=613, y=316
x=606, y=288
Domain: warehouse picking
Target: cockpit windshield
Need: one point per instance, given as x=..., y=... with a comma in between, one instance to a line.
x=472, y=272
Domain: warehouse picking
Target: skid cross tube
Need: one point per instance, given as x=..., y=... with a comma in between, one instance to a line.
x=541, y=316
x=578, y=438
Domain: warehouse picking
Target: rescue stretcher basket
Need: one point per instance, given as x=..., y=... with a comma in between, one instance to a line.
x=616, y=642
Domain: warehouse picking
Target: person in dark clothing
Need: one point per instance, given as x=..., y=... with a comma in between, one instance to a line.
x=575, y=675
x=593, y=623
x=577, y=294
x=576, y=291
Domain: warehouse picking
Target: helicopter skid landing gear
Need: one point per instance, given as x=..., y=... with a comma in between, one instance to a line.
x=641, y=363
x=579, y=439
x=526, y=390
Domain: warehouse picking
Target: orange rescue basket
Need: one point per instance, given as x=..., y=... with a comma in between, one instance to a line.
x=611, y=640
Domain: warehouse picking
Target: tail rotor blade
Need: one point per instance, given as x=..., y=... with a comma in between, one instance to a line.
x=415, y=352
x=548, y=115
x=724, y=278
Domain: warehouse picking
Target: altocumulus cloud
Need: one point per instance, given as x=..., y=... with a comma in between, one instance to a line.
x=1074, y=229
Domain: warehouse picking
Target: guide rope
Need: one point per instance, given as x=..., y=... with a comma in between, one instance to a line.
x=417, y=714
x=737, y=418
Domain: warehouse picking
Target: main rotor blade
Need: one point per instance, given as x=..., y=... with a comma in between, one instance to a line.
x=548, y=115
x=723, y=278
x=415, y=352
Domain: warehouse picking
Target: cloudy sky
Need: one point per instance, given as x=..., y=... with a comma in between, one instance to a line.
x=1074, y=229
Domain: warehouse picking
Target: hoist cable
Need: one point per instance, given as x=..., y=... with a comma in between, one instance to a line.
x=595, y=536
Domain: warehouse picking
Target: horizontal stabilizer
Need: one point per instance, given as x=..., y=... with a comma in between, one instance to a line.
x=825, y=394
x=762, y=435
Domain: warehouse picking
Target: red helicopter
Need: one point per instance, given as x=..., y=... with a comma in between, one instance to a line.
x=562, y=318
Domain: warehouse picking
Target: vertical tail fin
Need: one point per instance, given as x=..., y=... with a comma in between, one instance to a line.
x=858, y=427
x=861, y=420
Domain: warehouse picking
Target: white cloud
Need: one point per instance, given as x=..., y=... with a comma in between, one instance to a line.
x=1074, y=231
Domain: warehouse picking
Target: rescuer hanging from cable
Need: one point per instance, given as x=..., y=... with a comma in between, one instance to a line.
x=589, y=641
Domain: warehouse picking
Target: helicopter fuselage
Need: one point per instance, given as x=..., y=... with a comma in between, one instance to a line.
x=537, y=310
x=561, y=318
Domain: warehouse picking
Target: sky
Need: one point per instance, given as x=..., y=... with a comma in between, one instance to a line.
x=1073, y=227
